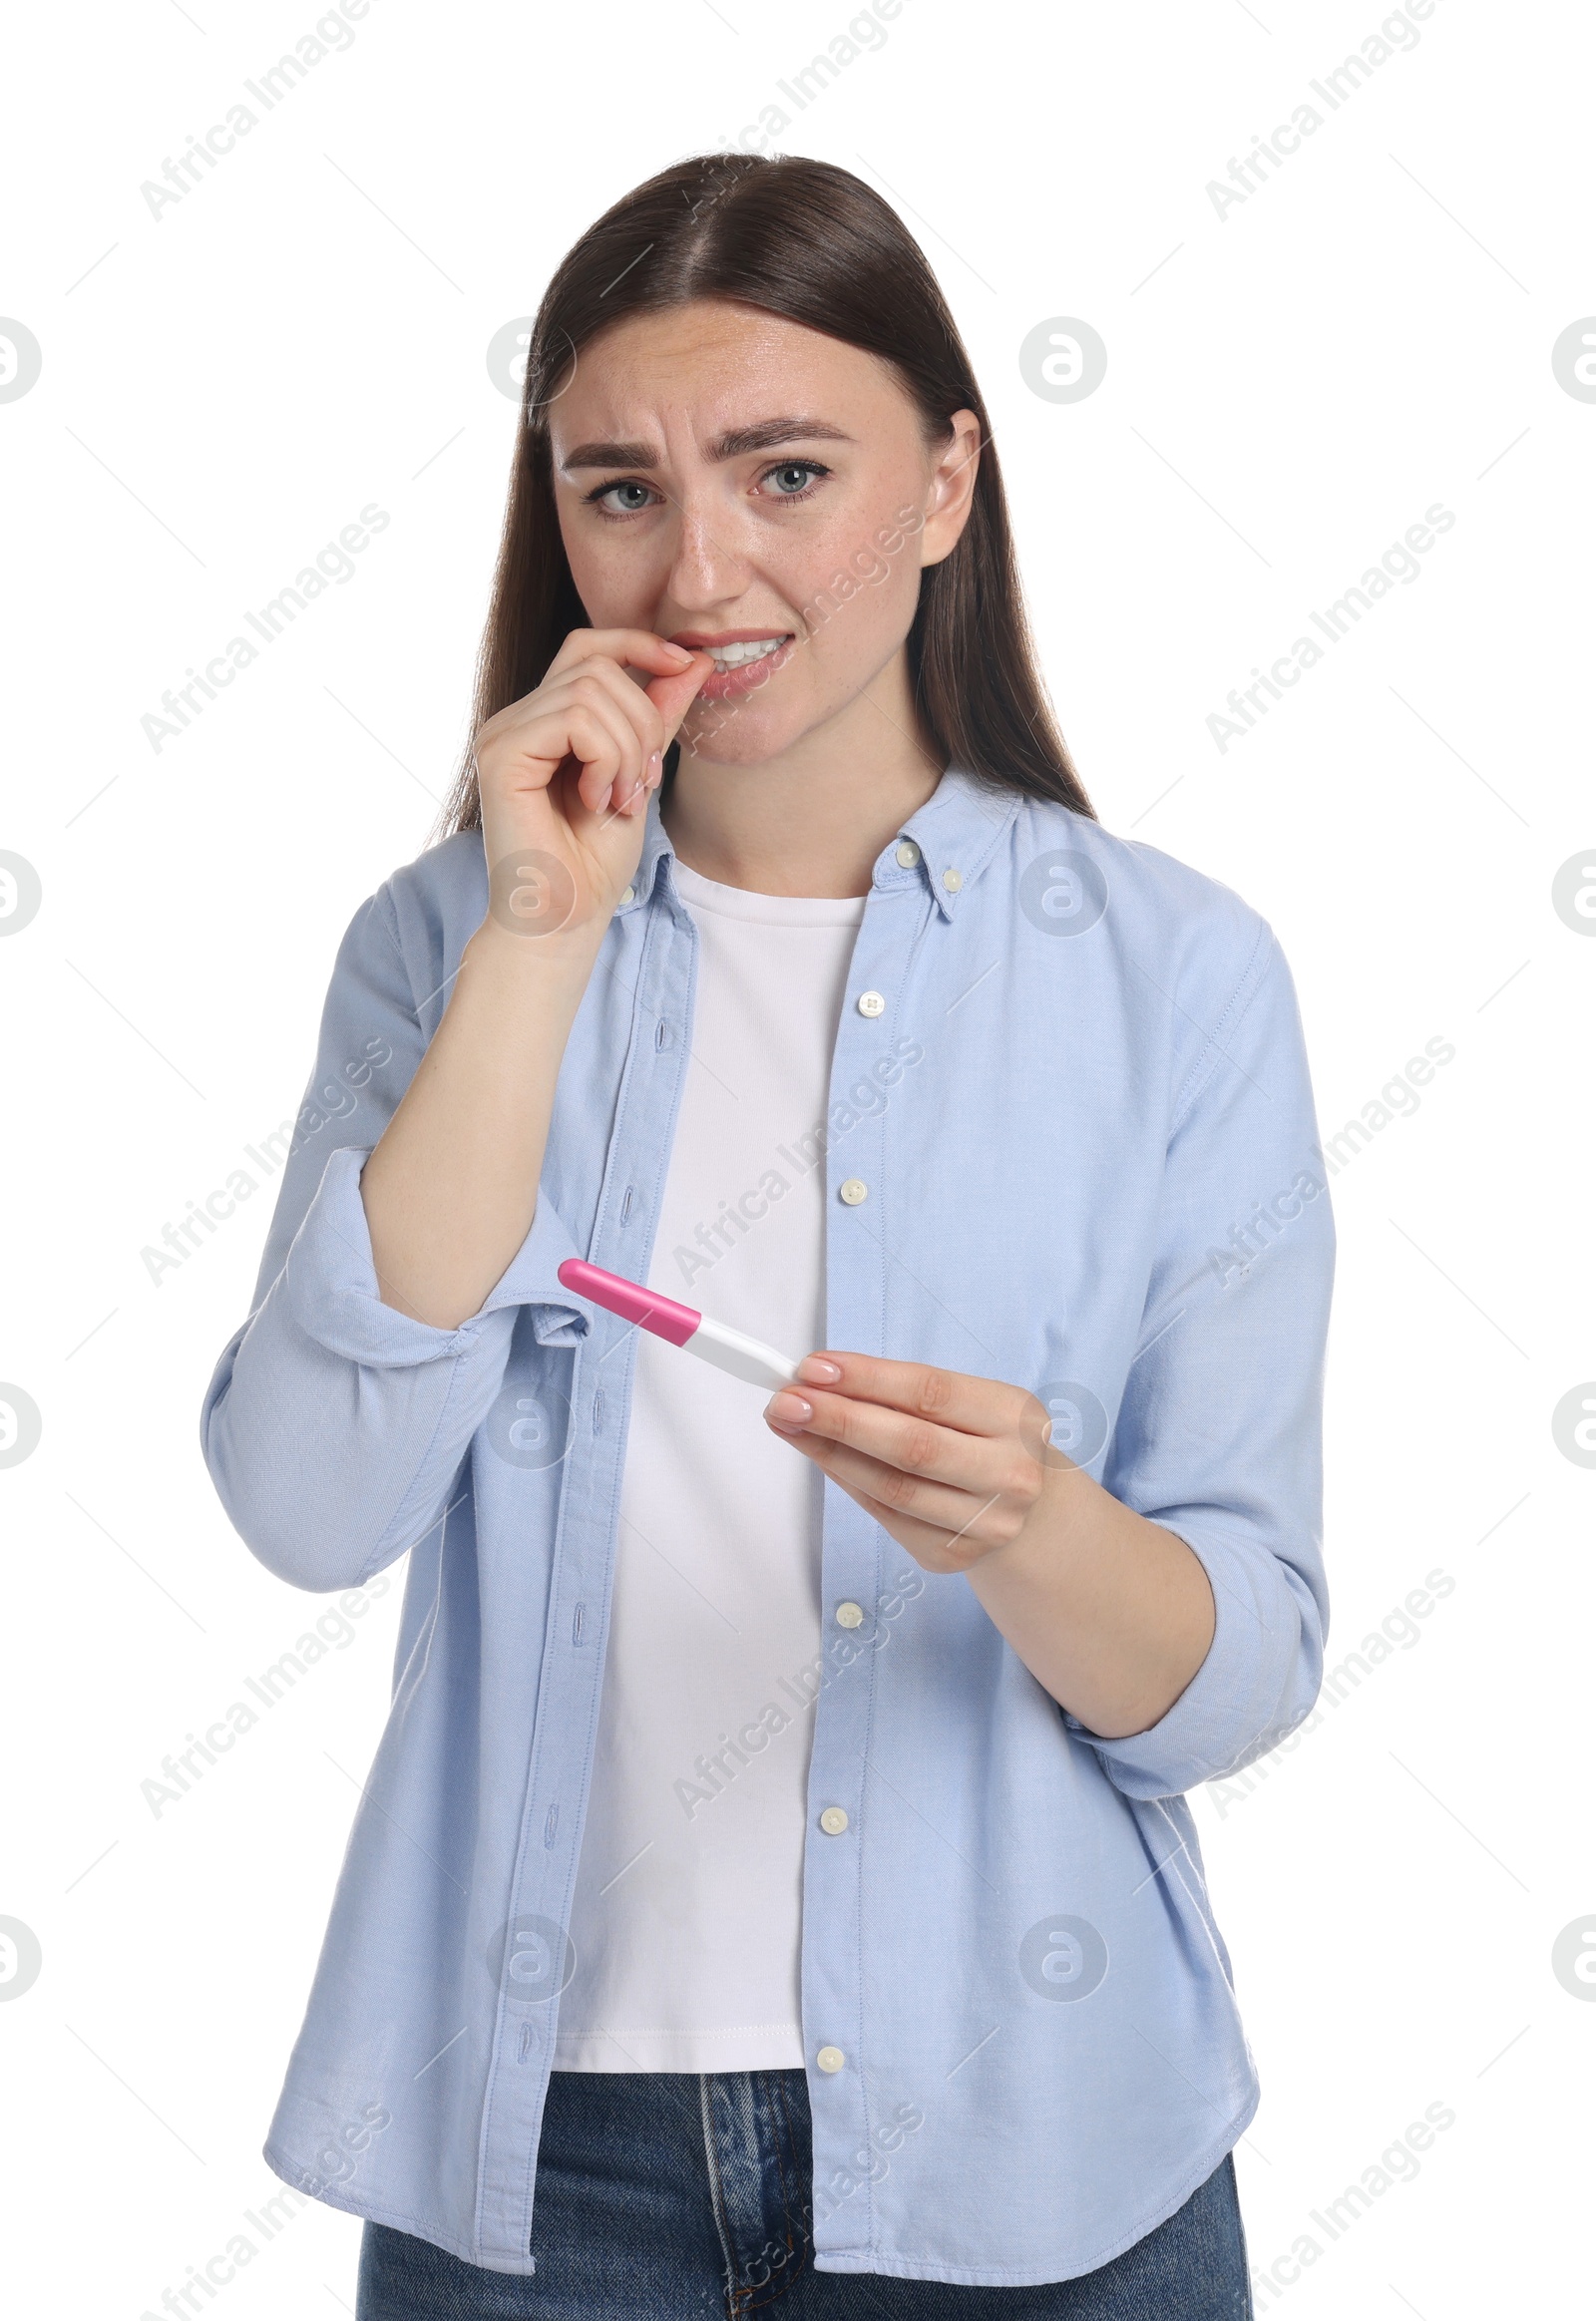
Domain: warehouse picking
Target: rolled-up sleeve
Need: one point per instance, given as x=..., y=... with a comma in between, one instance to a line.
x=1218, y=1435
x=334, y=1425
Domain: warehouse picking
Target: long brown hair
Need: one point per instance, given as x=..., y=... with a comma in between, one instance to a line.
x=803, y=239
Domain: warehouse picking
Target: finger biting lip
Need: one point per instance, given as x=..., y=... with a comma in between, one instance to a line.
x=744, y=658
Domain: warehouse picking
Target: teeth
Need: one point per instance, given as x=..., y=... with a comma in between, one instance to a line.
x=733, y=656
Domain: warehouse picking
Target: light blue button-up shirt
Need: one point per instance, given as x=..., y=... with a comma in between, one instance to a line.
x=1086, y=1143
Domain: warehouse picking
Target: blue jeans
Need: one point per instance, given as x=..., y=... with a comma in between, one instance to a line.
x=684, y=2196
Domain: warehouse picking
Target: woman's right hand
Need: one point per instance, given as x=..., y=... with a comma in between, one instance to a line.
x=451, y=1186
x=564, y=775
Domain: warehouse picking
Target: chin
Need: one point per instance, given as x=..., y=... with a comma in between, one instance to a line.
x=749, y=740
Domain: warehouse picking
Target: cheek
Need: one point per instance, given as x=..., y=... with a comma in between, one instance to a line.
x=611, y=577
x=863, y=591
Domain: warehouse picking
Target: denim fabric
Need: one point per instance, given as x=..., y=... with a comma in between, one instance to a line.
x=1070, y=1107
x=683, y=2196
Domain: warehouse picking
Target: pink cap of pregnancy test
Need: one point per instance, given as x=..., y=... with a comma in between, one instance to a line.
x=630, y=1301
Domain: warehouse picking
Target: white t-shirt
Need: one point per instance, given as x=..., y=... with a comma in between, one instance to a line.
x=686, y=1919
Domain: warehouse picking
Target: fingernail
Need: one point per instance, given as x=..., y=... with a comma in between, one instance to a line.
x=655, y=768
x=680, y=652
x=789, y=1410
x=818, y=1371
x=609, y=791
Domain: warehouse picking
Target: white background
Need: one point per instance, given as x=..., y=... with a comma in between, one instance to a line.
x=1288, y=388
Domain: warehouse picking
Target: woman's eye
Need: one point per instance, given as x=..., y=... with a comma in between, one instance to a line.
x=630, y=497
x=794, y=477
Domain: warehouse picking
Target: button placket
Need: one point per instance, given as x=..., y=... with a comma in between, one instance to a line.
x=646, y=1095
x=851, y=1558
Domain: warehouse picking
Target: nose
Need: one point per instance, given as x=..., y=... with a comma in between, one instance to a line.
x=708, y=567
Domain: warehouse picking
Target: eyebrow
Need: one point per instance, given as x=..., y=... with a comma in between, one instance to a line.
x=764, y=435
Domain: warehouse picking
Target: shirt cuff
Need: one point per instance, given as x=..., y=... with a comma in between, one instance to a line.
x=336, y=1295
x=1244, y=1698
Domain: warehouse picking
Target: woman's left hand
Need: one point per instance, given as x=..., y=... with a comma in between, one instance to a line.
x=1110, y=1612
x=953, y=1466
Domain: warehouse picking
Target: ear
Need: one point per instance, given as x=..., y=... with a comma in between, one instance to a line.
x=951, y=490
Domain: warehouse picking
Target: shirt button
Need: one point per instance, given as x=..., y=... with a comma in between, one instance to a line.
x=630, y=895
x=908, y=852
x=852, y=1190
x=834, y=1821
x=953, y=881
x=831, y=2059
x=849, y=1615
x=871, y=1004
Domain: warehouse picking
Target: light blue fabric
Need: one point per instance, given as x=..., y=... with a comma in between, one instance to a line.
x=1085, y=1125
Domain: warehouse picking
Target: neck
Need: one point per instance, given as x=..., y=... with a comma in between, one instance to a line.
x=813, y=819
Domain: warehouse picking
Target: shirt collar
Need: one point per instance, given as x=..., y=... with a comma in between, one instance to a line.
x=948, y=842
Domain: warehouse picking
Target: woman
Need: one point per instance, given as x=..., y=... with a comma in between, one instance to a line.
x=775, y=1878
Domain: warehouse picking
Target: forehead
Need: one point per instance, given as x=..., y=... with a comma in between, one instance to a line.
x=711, y=365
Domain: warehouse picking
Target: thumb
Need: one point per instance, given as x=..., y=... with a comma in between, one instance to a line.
x=672, y=695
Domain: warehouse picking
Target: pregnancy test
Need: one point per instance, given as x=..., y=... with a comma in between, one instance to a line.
x=712, y=1341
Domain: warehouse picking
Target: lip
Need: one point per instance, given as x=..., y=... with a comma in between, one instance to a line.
x=728, y=684
x=701, y=639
